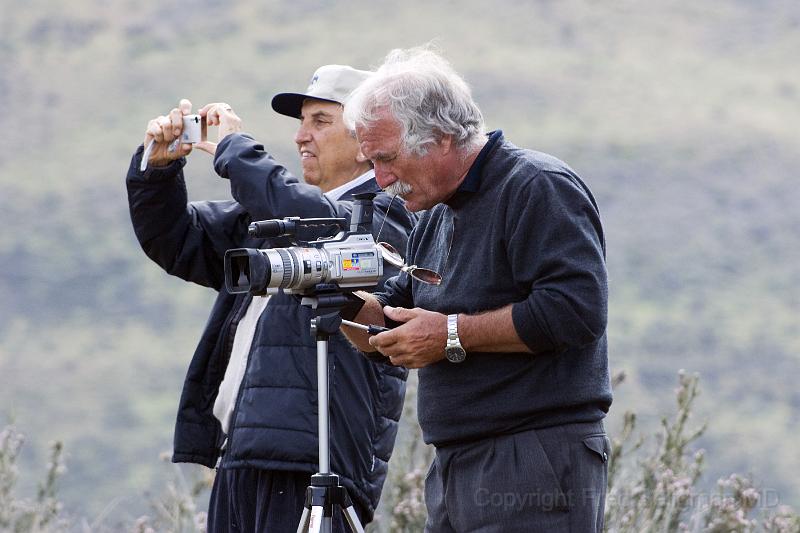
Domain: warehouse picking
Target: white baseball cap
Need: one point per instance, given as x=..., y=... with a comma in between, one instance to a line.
x=330, y=83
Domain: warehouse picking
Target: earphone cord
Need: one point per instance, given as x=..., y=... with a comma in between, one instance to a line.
x=377, y=238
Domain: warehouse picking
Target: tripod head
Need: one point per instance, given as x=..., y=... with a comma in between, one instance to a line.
x=329, y=304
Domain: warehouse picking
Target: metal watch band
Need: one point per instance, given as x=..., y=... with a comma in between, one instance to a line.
x=452, y=330
x=453, y=350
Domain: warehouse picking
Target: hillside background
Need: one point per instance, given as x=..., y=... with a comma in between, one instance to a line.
x=682, y=116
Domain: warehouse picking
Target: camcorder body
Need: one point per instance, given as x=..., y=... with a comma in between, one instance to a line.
x=350, y=260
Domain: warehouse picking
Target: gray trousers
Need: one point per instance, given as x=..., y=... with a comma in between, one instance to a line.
x=551, y=480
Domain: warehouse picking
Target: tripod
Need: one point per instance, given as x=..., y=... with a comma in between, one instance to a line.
x=325, y=494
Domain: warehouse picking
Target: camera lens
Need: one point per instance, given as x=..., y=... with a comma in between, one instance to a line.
x=246, y=270
x=241, y=271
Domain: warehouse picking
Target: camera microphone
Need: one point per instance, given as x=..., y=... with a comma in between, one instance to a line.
x=290, y=226
x=271, y=228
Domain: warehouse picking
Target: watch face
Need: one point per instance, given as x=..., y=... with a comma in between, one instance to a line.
x=455, y=354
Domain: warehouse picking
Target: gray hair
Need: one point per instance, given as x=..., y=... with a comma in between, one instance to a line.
x=428, y=98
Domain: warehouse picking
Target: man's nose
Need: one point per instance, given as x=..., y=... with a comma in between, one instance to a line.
x=302, y=135
x=383, y=175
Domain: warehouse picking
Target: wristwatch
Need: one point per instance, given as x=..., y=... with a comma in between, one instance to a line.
x=453, y=350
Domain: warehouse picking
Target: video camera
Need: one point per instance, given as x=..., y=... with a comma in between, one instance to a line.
x=350, y=260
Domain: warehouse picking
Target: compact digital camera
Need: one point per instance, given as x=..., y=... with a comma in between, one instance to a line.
x=192, y=129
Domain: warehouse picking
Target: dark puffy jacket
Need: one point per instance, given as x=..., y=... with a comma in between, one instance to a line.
x=274, y=425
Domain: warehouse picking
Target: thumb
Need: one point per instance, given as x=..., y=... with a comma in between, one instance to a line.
x=207, y=146
x=185, y=106
x=398, y=314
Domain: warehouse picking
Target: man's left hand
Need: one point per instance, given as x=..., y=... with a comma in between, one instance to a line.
x=222, y=115
x=419, y=342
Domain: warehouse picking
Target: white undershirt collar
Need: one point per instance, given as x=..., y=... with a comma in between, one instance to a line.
x=334, y=194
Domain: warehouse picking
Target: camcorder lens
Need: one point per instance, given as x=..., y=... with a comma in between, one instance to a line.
x=242, y=265
x=255, y=271
x=246, y=270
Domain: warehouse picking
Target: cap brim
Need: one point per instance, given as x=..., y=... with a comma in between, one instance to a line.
x=290, y=104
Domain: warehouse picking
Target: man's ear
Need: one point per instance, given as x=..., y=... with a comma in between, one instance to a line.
x=446, y=144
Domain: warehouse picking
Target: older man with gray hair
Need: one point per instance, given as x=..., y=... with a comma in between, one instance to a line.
x=511, y=346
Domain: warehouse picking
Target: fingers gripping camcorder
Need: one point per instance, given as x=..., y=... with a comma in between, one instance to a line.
x=350, y=259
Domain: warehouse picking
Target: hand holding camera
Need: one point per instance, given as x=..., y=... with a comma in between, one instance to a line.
x=171, y=137
x=163, y=138
x=222, y=115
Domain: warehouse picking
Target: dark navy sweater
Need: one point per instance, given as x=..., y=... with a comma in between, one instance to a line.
x=522, y=229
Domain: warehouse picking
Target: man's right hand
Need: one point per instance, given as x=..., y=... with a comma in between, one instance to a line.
x=165, y=129
x=370, y=313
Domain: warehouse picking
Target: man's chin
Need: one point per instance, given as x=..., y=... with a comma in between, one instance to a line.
x=311, y=178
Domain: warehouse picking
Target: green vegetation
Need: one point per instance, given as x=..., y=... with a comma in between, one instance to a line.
x=23, y=515
x=657, y=491
x=681, y=116
x=647, y=491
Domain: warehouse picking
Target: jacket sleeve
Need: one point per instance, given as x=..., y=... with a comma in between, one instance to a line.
x=187, y=240
x=557, y=251
x=266, y=188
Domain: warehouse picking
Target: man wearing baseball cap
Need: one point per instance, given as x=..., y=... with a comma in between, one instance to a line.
x=249, y=402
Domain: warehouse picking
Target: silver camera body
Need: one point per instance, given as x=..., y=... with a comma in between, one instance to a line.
x=192, y=129
x=351, y=261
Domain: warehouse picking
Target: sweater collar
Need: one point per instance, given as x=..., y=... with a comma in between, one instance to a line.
x=472, y=183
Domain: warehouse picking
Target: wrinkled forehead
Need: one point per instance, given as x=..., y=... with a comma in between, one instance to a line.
x=383, y=133
x=314, y=105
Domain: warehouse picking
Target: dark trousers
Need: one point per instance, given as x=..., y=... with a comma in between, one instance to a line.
x=549, y=480
x=248, y=500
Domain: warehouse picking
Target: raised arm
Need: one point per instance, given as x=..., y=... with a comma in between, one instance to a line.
x=265, y=187
x=187, y=240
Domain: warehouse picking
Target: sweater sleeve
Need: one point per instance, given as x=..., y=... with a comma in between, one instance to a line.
x=187, y=240
x=557, y=250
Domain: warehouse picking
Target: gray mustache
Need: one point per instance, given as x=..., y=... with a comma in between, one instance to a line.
x=398, y=188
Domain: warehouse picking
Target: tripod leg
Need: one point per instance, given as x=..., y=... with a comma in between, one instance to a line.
x=315, y=523
x=352, y=520
x=303, y=526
